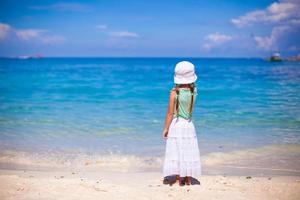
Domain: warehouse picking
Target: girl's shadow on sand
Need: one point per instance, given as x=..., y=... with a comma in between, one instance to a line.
x=170, y=180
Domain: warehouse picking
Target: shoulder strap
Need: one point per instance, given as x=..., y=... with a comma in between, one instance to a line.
x=192, y=89
x=177, y=101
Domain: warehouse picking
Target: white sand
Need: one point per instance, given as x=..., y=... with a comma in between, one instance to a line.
x=275, y=172
x=56, y=185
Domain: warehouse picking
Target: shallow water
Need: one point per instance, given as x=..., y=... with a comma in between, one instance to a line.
x=110, y=106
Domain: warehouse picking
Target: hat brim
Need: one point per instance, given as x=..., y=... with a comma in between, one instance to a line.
x=188, y=80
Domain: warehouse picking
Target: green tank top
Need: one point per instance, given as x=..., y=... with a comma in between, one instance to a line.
x=184, y=102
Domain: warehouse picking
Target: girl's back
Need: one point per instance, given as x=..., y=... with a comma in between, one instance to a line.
x=184, y=96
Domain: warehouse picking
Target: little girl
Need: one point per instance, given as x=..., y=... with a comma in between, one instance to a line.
x=182, y=157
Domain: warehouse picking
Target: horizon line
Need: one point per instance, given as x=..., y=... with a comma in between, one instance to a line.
x=204, y=57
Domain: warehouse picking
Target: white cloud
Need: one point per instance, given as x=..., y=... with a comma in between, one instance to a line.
x=4, y=29
x=27, y=34
x=283, y=18
x=116, y=35
x=62, y=6
x=283, y=12
x=215, y=39
x=52, y=39
x=218, y=38
x=248, y=18
x=271, y=42
x=101, y=27
x=39, y=35
x=122, y=34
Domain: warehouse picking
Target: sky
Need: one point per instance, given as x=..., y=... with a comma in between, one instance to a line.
x=156, y=28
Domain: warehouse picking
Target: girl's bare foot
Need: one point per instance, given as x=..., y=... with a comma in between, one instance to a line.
x=170, y=180
x=194, y=181
x=181, y=181
x=187, y=180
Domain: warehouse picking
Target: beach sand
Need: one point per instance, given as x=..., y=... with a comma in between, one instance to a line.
x=270, y=172
x=39, y=185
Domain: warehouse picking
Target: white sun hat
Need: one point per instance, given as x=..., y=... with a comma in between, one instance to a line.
x=184, y=73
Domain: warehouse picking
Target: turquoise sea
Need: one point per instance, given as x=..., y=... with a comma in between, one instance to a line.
x=116, y=106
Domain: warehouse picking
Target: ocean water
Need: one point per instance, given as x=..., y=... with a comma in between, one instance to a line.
x=116, y=106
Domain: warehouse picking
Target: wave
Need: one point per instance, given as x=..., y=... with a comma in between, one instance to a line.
x=283, y=159
x=262, y=153
x=53, y=160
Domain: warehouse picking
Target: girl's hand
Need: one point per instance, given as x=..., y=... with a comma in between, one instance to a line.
x=165, y=134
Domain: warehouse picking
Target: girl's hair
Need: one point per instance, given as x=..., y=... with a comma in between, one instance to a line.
x=191, y=86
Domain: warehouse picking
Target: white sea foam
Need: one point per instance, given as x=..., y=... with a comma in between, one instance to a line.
x=25, y=160
x=277, y=158
x=269, y=151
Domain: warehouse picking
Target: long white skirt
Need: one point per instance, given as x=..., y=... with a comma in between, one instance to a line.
x=182, y=156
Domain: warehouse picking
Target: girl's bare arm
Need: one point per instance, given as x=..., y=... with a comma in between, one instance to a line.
x=169, y=114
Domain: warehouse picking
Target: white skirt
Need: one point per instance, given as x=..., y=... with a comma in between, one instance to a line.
x=182, y=156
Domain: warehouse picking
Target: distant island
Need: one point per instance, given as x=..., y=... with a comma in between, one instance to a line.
x=277, y=58
x=294, y=58
x=36, y=56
